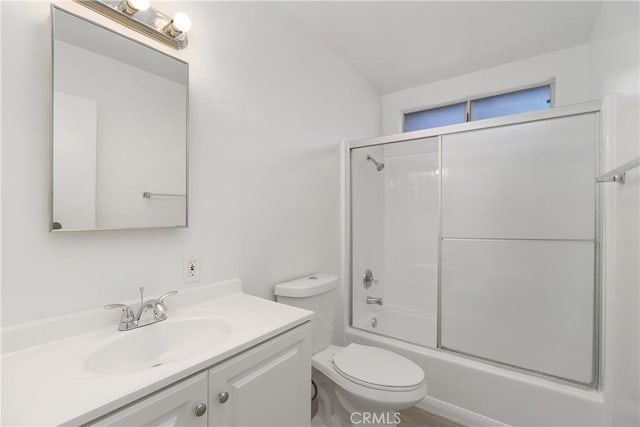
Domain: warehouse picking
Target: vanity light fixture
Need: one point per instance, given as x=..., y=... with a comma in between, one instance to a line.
x=138, y=15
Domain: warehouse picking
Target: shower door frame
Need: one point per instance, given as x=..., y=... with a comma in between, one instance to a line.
x=594, y=107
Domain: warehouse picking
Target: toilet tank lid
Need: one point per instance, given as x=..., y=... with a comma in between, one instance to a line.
x=307, y=286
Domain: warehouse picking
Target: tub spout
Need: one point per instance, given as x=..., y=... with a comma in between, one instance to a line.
x=372, y=300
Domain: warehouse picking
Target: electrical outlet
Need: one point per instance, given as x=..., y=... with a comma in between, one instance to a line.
x=191, y=268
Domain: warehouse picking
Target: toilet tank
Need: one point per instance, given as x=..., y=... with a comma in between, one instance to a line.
x=316, y=293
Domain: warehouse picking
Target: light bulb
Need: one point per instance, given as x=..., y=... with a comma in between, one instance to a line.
x=133, y=6
x=181, y=23
x=139, y=4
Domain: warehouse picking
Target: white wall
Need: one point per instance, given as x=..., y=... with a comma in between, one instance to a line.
x=614, y=65
x=567, y=66
x=267, y=109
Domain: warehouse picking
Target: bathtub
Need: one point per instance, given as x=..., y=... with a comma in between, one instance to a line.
x=400, y=323
x=476, y=393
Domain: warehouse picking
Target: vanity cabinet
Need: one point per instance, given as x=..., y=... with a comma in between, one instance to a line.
x=266, y=385
x=174, y=406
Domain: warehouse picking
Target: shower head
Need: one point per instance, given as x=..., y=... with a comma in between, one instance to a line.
x=379, y=165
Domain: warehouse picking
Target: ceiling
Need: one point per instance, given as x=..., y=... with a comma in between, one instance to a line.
x=401, y=44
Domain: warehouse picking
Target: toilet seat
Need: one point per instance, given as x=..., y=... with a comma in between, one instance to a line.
x=377, y=368
x=372, y=396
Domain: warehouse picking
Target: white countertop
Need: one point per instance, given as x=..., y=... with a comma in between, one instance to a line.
x=48, y=384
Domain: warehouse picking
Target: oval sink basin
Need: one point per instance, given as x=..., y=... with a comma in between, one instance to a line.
x=158, y=344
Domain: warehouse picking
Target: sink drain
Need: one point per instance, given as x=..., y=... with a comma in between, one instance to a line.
x=157, y=364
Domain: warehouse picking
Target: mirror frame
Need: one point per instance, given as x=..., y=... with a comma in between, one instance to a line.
x=53, y=9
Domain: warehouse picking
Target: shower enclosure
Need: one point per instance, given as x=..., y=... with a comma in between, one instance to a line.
x=480, y=240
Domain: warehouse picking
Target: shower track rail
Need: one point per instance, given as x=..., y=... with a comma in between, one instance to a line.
x=619, y=174
x=150, y=195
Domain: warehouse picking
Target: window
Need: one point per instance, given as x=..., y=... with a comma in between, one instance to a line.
x=537, y=98
x=521, y=101
x=441, y=116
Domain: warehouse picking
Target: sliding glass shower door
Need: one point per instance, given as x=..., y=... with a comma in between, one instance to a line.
x=483, y=242
x=518, y=245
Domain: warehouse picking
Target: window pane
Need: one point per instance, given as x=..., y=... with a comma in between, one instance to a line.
x=521, y=101
x=435, y=117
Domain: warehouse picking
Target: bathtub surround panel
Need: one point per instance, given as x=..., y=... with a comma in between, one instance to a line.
x=526, y=181
x=411, y=238
x=395, y=233
x=368, y=204
x=268, y=106
x=523, y=303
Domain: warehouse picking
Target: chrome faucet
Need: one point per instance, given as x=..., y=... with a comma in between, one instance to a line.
x=129, y=320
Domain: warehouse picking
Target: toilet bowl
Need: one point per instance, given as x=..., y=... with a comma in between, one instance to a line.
x=371, y=378
x=364, y=385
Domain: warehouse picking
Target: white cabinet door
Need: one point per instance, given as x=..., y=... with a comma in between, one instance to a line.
x=174, y=406
x=268, y=385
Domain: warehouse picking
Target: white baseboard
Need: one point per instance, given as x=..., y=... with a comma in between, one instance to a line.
x=457, y=414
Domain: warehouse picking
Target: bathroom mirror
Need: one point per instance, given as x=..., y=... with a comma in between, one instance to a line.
x=119, y=137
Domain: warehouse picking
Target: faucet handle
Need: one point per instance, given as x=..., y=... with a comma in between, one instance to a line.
x=161, y=305
x=110, y=306
x=127, y=312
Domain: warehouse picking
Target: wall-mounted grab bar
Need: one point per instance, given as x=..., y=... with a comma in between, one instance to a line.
x=149, y=195
x=619, y=174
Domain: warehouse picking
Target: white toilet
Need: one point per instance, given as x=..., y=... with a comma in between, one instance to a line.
x=354, y=382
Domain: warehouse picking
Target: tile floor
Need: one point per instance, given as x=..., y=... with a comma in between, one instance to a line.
x=414, y=417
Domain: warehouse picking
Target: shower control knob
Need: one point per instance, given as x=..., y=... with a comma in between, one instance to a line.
x=368, y=279
x=223, y=397
x=201, y=409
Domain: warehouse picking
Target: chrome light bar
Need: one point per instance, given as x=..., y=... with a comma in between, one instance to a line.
x=137, y=15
